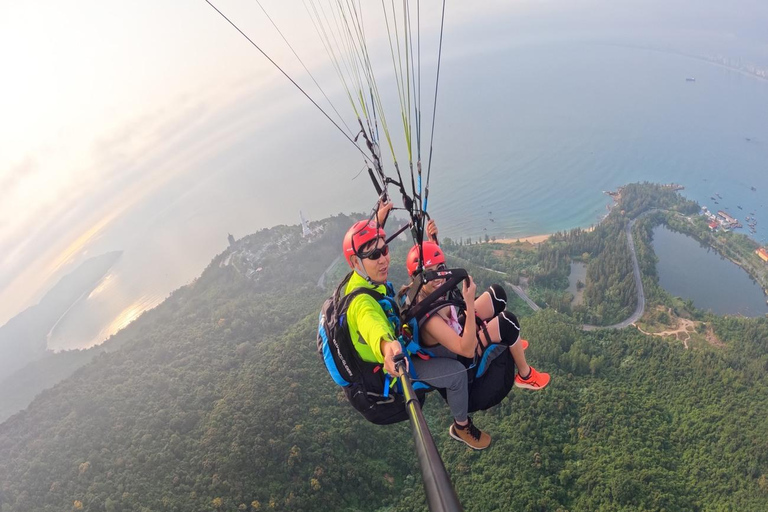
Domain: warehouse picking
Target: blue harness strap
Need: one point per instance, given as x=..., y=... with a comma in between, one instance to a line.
x=408, y=341
x=482, y=365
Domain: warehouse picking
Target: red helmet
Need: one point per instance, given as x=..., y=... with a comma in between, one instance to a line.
x=361, y=232
x=433, y=255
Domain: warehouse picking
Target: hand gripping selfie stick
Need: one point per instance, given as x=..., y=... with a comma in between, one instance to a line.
x=441, y=497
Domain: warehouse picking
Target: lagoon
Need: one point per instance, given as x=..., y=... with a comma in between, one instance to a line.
x=691, y=271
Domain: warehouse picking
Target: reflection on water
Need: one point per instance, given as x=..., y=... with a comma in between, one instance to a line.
x=103, y=285
x=688, y=270
x=130, y=314
x=82, y=327
x=115, y=302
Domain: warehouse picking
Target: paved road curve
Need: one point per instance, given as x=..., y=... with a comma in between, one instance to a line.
x=321, y=280
x=520, y=293
x=639, y=311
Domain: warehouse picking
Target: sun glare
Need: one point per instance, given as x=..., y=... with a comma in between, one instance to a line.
x=127, y=316
x=105, y=284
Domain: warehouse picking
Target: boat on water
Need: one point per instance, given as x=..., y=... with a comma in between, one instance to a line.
x=753, y=189
x=718, y=195
x=739, y=207
x=712, y=198
x=690, y=79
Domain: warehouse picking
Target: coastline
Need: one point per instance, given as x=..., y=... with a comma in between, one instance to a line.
x=533, y=239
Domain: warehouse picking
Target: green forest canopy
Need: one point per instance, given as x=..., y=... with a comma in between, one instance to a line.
x=218, y=401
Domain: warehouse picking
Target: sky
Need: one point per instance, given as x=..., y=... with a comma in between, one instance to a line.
x=104, y=103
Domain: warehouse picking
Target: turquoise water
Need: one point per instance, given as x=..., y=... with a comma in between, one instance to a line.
x=574, y=121
x=688, y=270
x=527, y=139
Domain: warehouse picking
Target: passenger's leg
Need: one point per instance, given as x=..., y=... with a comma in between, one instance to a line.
x=448, y=374
x=506, y=327
x=491, y=302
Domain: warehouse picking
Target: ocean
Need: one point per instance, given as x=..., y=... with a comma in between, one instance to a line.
x=576, y=121
x=526, y=141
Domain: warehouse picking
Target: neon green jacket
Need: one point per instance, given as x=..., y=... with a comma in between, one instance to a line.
x=368, y=324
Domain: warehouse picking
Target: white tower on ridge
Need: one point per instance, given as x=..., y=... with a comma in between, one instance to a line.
x=305, y=231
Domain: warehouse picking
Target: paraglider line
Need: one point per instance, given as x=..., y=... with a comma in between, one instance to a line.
x=434, y=107
x=303, y=65
x=289, y=78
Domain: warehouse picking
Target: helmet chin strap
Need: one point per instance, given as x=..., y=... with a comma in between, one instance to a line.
x=360, y=269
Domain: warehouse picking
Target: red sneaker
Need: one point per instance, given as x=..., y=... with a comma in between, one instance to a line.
x=535, y=380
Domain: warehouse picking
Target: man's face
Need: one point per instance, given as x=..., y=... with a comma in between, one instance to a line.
x=377, y=269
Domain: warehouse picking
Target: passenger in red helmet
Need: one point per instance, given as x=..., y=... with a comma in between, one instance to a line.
x=433, y=256
x=449, y=333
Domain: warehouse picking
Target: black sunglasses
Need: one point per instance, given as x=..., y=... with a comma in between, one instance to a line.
x=376, y=253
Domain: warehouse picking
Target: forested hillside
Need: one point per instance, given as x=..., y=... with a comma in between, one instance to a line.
x=217, y=401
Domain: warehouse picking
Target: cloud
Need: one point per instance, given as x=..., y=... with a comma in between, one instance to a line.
x=82, y=202
x=58, y=212
x=11, y=178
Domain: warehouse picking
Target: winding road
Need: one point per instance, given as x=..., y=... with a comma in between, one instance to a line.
x=518, y=290
x=639, y=311
x=321, y=280
x=521, y=293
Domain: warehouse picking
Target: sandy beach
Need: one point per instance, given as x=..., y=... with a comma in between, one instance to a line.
x=534, y=239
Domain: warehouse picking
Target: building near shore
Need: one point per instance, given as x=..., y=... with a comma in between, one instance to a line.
x=763, y=253
x=727, y=217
